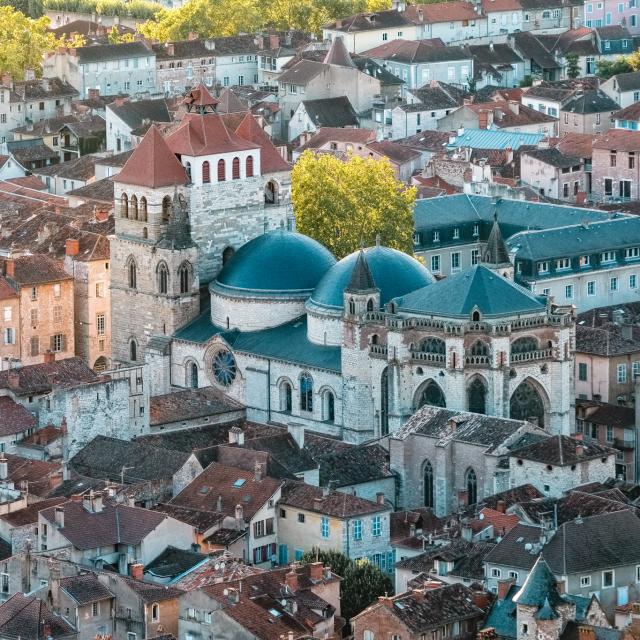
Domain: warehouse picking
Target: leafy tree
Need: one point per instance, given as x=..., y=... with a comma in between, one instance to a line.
x=362, y=582
x=471, y=84
x=138, y=9
x=115, y=37
x=527, y=81
x=608, y=68
x=342, y=204
x=573, y=65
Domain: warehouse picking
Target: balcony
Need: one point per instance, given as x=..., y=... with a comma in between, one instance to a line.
x=424, y=356
x=477, y=361
x=378, y=350
x=528, y=356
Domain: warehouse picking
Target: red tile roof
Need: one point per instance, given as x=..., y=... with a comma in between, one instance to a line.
x=29, y=515
x=502, y=522
x=14, y=418
x=442, y=12
x=501, y=5
x=577, y=144
x=200, y=97
x=338, y=134
x=618, y=139
x=153, y=164
x=6, y=290
x=37, y=473
x=37, y=269
x=270, y=160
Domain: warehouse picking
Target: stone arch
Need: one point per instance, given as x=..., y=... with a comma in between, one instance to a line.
x=428, y=485
x=222, y=171
x=285, y=393
x=227, y=254
x=471, y=485
x=271, y=192
x=133, y=350
x=206, y=172
x=429, y=393
x=479, y=348
x=328, y=397
x=166, y=209
x=529, y=401
x=433, y=345
x=477, y=395
x=162, y=274
x=191, y=373
x=143, y=209
x=100, y=364
x=235, y=169
x=249, y=167
x=133, y=206
x=124, y=206
x=370, y=305
x=475, y=316
x=525, y=344
x=184, y=277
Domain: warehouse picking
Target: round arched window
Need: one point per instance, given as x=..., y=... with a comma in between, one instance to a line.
x=224, y=367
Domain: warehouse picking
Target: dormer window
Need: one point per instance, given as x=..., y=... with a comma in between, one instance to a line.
x=436, y=236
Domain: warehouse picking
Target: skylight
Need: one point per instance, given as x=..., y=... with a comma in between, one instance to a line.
x=239, y=482
x=274, y=612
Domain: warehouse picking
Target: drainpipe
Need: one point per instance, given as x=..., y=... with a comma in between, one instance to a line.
x=347, y=554
x=269, y=390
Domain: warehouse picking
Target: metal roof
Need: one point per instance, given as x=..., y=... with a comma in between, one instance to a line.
x=490, y=139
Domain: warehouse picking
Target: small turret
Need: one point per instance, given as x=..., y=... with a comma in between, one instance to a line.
x=361, y=294
x=495, y=254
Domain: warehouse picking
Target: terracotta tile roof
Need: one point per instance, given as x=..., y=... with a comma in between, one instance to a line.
x=199, y=518
x=325, y=135
x=577, y=144
x=397, y=153
x=270, y=160
x=221, y=567
x=153, y=164
x=502, y=522
x=37, y=473
x=234, y=486
x=415, y=51
x=25, y=617
x=618, y=139
x=501, y=5
x=29, y=515
x=561, y=451
x=441, y=12
x=606, y=413
x=368, y=21
x=505, y=115
x=14, y=418
x=632, y=112
x=37, y=269
x=228, y=102
x=149, y=592
x=190, y=404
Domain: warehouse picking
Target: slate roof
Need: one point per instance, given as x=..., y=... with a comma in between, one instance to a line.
x=82, y=168
x=173, y=562
x=513, y=496
x=436, y=95
x=608, y=340
x=507, y=114
x=104, y=458
x=103, y=52
x=495, y=54
x=25, y=616
x=369, y=21
x=511, y=551
x=540, y=588
x=355, y=465
x=85, y=588
x=134, y=112
x=149, y=592
x=100, y=191
x=476, y=288
x=14, y=418
x=426, y=140
x=331, y=112
x=285, y=457
x=590, y=102
x=554, y=157
x=301, y=72
x=44, y=88
x=45, y=127
x=628, y=81
x=417, y=51
x=562, y=451
x=530, y=47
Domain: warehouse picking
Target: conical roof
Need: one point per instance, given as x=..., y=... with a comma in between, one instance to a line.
x=152, y=164
x=178, y=233
x=200, y=100
x=338, y=54
x=361, y=277
x=540, y=588
x=496, y=252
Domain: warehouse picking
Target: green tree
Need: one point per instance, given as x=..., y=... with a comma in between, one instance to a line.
x=608, y=68
x=115, y=37
x=342, y=204
x=527, y=81
x=573, y=65
x=362, y=582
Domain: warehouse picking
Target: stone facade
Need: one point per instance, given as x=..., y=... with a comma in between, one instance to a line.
x=615, y=174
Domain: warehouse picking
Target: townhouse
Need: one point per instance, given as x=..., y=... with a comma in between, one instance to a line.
x=599, y=13
x=452, y=22
x=553, y=174
x=615, y=166
x=623, y=88
x=589, y=112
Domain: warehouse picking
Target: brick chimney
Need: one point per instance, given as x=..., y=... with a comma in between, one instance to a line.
x=14, y=379
x=101, y=215
x=291, y=580
x=239, y=516
x=482, y=600
x=93, y=94
x=49, y=357
x=274, y=41
x=504, y=586
x=72, y=247
x=9, y=267
x=46, y=631
x=76, y=497
x=579, y=449
x=514, y=105
x=380, y=497
x=316, y=570
x=561, y=587
x=258, y=471
x=120, y=100
x=501, y=506
x=193, y=35
x=171, y=50
x=137, y=571
x=586, y=633
x=7, y=80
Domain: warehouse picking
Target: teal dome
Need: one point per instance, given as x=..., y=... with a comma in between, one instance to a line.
x=275, y=262
x=393, y=272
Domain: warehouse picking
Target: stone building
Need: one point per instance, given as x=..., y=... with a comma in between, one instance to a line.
x=616, y=167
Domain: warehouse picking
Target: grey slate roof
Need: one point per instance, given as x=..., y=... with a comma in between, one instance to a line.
x=496, y=253
x=173, y=562
x=628, y=81
x=590, y=102
x=475, y=288
x=354, y=465
x=511, y=551
x=85, y=588
x=554, y=157
x=562, y=451
x=102, y=52
x=361, y=277
x=134, y=112
x=540, y=588
x=331, y=112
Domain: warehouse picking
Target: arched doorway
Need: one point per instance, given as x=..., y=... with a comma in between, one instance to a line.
x=100, y=364
x=527, y=404
x=428, y=485
x=477, y=396
x=384, y=402
x=430, y=393
x=471, y=482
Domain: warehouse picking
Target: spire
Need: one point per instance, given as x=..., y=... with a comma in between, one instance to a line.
x=496, y=252
x=547, y=612
x=540, y=589
x=178, y=233
x=361, y=277
x=338, y=54
x=199, y=100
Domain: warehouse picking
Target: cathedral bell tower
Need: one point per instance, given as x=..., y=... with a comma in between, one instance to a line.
x=495, y=255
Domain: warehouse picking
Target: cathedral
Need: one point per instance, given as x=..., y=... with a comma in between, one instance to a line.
x=212, y=287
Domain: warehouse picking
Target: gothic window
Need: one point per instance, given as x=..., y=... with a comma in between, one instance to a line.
x=526, y=404
x=133, y=351
x=370, y=304
x=475, y=316
x=428, y=485
x=227, y=254
x=432, y=395
x=222, y=171
x=471, y=482
x=206, y=174
x=329, y=409
x=384, y=399
x=480, y=348
x=477, y=393
x=166, y=209
x=145, y=233
x=124, y=206
x=375, y=339
x=163, y=278
x=249, y=167
x=187, y=167
x=134, y=207
x=183, y=276
x=193, y=375
x=524, y=345
x=286, y=403
x=143, y=209
x=306, y=392
x=352, y=306
x=235, y=169
x=433, y=345
x=132, y=272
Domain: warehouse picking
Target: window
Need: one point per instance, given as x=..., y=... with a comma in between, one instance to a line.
x=35, y=345
x=306, y=393
x=637, y=575
x=163, y=278
x=95, y=609
x=206, y=173
x=568, y=292
x=7, y=314
x=301, y=518
x=632, y=160
x=613, y=284
x=133, y=274
x=221, y=171
x=34, y=293
x=249, y=167
x=368, y=635
x=591, y=288
x=9, y=336
x=543, y=267
x=385, y=37
x=513, y=574
x=376, y=526
x=582, y=371
x=34, y=317
x=56, y=290
x=608, y=578
x=633, y=281
x=57, y=314
x=608, y=186
x=475, y=256
x=131, y=635
x=184, y=277
x=100, y=324
x=622, y=373
x=435, y=264
x=235, y=169
x=324, y=527
x=133, y=351
x=455, y=261
x=608, y=256
x=496, y=573
x=456, y=233
x=612, y=158
x=585, y=581
x=436, y=236
x=58, y=342
x=99, y=289
x=632, y=252
x=563, y=263
x=357, y=529
x=635, y=369
x=609, y=433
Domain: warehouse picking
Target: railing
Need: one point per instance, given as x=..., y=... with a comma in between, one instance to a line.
x=425, y=356
x=537, y=354
x=379, y=350
x=475, y=361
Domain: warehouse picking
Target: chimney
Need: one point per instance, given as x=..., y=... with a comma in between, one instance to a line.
x=586, y=633
x=120, y=100
x=136, y=571
x=76, y=497
x=87, y=499
x=501, y=506
x=60, y=517
x=560, y=586
x=258, y=471
x=291, y=580
x=514, y=105
x=72, y=247
x=316, y=571
x=96, y=503
x=4, y=468
x=504, y=586
x=239, y=517
x=236, y=436
x=49, y=356
x=386, y=601
x=483, y=119
x=380, y=497
x=482, y=600
x=274, y=41
x=7, y=80
x=626, y=329
x=219, y=504
x=317, y=504
x=171, y=50
x=297, y=432
x=9, y=267
x=93, y=94
x=46, y=631
x=579, y=449
x=14, y=379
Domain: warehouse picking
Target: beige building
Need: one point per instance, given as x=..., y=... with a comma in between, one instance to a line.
x=45, y=308
x=9, y=324
x=87, y=260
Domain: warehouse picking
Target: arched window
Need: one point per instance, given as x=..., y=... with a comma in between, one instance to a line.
x=271, y=193
x=471, y=482
x=235, y=169
x=384, y=400
x=124, y=206
x=184, y=277
x=133, y=350
x=352, y=306
x=163, y=278
x=526, y=404
x=222, y=171
x=249, y=167
x=370, y=304
x=134, y=207
x=329, y=408
x=428, y=485
x=187, y=167
x=166, y=209
x=206, y=173
x=368, y=635
x=132, y=272
x=227, y=254
x=524, y=345
x=375, y=339
x=145, y=233
x=286, y=404
x=475, y=316
x=155, y=612
x=480, y=348
x=193, y=375
x=433, y=345
x=143, y=209
x=306, y=392
x=477, y=394
x=431, y=394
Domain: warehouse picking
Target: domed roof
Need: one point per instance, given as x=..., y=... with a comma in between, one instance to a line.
x=278, y=261
x=393, y=272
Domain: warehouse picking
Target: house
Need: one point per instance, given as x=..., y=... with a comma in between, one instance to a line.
x=546, y=15
x=550, y=97
x=297, y=601
x=16, y=423
x=579, y=145
x=503, y=16
x=341, y=140
x=423, y=452
x=589, y=112
x=614, y=39
x=20, y=528
x=628, y=118
x=310, y=517
x=497, y=63
x=98, y=533
x=418, y=62
x=364, y=31
x=539, y=62
x=453, y=22
x=449, y=610
x=48, y=129
x=67, y=176
x=598, y=15
x=128, y=67
x=246, y=500
x=616, y=170
x=311, y=115
x=124, y=116
x=29, y=618
x=560, y=463
x=553, y=174
x=607, y=354
x=132, y=462
x=623, y=88
x=30, y=154
x=44, y=324
x=82, y=137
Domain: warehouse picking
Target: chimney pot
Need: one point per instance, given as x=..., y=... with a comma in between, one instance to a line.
x=291, y=580
x=316, y=570
x=501, y=506
x=137, y=571
x=504, y=586
x=9, y=267
x=380, y=497
x=258, y=471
